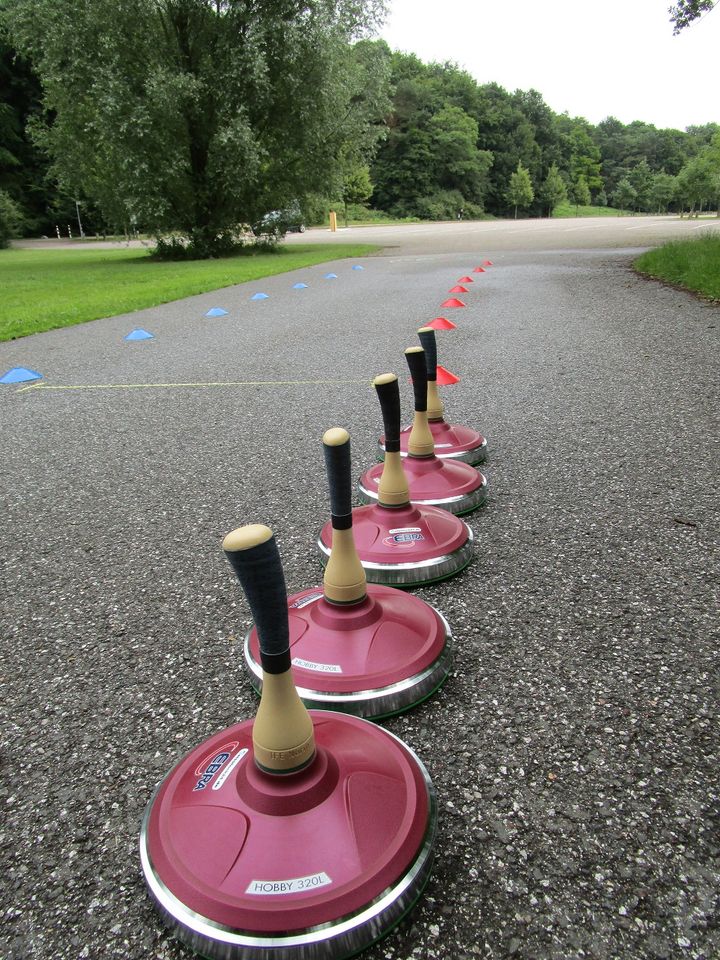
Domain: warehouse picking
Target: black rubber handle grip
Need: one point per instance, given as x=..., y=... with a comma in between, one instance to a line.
x=259, y=570
x=418, y=372
x=429, y=345
x=338, y=467
x=388, y=391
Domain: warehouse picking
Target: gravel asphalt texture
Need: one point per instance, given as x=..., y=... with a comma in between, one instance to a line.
x=574, y=748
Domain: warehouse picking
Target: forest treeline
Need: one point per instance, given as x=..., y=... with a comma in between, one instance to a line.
x=442, y=146
x=454, y=144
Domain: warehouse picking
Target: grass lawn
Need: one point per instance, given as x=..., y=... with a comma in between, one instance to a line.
x=44, y=289
x=692, y=264
x=567, y=209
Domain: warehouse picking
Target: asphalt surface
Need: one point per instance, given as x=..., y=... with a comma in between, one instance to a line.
x=574, y=749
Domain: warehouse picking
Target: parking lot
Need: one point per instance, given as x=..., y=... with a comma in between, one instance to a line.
x=574, y=748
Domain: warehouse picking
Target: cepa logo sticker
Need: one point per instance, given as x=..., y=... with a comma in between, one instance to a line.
x=212, y=764
x=403, y=538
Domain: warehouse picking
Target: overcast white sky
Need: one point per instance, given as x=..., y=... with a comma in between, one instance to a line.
x=615, y=58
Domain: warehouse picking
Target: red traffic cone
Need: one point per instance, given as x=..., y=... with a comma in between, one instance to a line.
x=445, y=378
x=466, y=280
x=459, y=289
x=442, y=323
x=487, y=263
x=479, y=270
x=453, y=302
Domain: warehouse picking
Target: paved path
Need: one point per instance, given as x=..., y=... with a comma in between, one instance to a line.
x=572, y=234
x=520, y=235
x=574, y=749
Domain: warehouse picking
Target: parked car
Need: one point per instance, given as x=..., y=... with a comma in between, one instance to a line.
x=277, y=223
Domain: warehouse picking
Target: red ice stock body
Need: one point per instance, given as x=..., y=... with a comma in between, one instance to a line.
x=448, y=483
x=296, y=835
x=398, y=542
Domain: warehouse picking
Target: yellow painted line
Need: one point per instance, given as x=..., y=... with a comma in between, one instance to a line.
x=165, y=386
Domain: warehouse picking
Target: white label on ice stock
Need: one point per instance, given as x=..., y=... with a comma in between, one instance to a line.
x=304, y=601
x=318, y=667
x=298, y=885
x=442, y=445
x=229, y=769
x=405, y=530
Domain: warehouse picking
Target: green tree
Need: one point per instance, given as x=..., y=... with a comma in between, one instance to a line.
x=641, y=179
x=662, y=192
x=458, y=164
x=11, y=219
x=686, y=11
x=430, y=165
x=357, y=187
x=194, y=115
x=506, y=131
x=610, y=137
x=697, y=183
x=622, y=148
x=701, y=136
x=580, y=155
x=514, y=128
x=553, y=190
x=520, y=192
x=713, y=155
x=546, y=146
x=624, y=196
x=580, y=193
x=23, y=166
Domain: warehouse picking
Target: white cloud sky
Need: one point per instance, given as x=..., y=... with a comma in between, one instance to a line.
x=616, y=58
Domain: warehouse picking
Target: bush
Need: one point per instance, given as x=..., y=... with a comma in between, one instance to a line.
x=317, y=209
x=11, y=219
x=177, y=247
x=359, y=213
x=446, y=205
x=317, y=212
x=170, y=248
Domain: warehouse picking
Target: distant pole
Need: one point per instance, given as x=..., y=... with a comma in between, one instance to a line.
x=77, y=209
